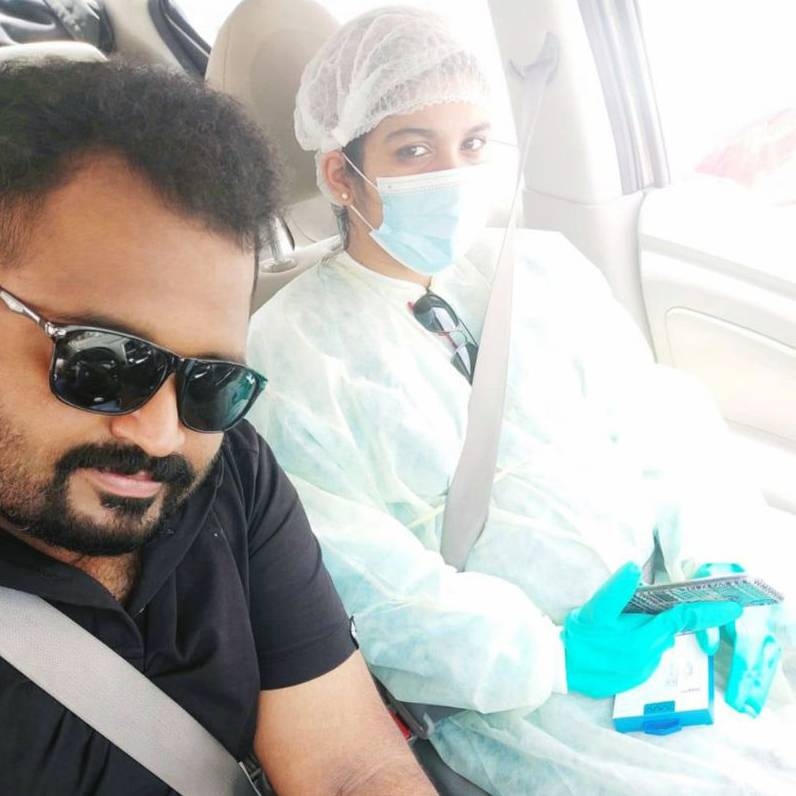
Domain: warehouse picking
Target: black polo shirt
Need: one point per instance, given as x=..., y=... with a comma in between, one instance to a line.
x=233, y=598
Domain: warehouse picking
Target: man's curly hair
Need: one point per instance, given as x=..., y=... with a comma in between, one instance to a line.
x=195, y=147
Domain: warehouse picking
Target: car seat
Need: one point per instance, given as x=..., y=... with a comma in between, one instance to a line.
x=258, y=57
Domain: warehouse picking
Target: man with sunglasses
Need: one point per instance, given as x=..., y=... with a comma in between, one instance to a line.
x=132, y=497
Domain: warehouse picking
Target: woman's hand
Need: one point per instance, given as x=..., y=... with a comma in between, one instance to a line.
x=608, y=651
x=755, y=649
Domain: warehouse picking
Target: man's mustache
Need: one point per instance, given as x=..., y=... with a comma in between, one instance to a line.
x=173, y=470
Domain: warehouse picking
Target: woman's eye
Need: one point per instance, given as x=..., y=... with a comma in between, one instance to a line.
x=474, y=144
x=413, y=151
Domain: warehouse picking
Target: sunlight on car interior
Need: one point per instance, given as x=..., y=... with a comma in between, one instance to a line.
x=410, y=408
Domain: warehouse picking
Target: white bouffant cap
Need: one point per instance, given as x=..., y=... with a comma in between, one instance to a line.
x=389, y=61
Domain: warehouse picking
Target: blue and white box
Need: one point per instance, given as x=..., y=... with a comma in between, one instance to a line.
x=679, y=693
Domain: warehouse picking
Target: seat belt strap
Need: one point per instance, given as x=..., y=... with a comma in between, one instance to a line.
x=467, y=504
x=119, y=702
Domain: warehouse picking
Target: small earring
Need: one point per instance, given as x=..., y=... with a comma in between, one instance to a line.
x=344, y=197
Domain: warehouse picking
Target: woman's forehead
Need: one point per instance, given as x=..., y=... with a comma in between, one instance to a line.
x=441, y=119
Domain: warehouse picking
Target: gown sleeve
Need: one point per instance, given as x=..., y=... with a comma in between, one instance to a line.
x=708, y=505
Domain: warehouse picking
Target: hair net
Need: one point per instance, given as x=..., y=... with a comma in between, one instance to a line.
x=388, y=61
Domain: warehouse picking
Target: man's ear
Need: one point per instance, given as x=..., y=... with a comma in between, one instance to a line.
x=335, y=173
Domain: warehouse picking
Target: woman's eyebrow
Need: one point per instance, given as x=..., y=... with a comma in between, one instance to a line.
x=479, y=128
x=427, y=132
x=424, y=132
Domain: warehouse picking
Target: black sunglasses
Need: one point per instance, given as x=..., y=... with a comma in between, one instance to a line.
x=436, y=315
x=111, y=373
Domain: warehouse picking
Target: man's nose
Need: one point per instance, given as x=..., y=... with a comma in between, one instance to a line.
x=156, y=426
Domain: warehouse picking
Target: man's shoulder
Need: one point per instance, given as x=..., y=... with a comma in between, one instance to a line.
x=242, y=440
x=247, y=456
x=245, y=469
x=241, y=452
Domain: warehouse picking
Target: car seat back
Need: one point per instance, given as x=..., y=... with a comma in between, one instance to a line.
x=258, y=58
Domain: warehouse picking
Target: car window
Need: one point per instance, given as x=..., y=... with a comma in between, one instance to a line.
x=723, y=76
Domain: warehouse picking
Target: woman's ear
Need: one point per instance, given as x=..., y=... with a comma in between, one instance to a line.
x=335, y=173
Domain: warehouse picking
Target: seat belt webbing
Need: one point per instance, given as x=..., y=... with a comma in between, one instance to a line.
x=469, y=494
x=118, y=701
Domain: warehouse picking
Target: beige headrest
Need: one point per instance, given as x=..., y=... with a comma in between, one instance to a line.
x=258, y=57
x=38, y=51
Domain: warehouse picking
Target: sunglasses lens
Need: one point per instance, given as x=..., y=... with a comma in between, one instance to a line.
x=435, y=314
x=106, y=372
x=465, y=359
x=216, y=395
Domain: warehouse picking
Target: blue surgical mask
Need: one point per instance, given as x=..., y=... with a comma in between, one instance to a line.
x=430, y=220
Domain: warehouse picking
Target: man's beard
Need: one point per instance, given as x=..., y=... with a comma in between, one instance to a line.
x=42, y=510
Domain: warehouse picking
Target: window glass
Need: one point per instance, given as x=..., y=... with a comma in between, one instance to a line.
x=723, y=72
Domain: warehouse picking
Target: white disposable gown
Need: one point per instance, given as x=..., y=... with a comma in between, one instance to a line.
x=602, y=452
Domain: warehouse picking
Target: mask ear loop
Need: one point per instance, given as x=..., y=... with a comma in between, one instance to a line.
x=352, y=206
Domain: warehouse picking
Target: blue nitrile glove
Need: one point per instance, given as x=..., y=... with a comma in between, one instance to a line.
x=608, y=652
x=755, y=649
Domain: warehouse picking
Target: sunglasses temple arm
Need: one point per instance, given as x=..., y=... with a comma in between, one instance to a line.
x=15, y=305
x=467, y=332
